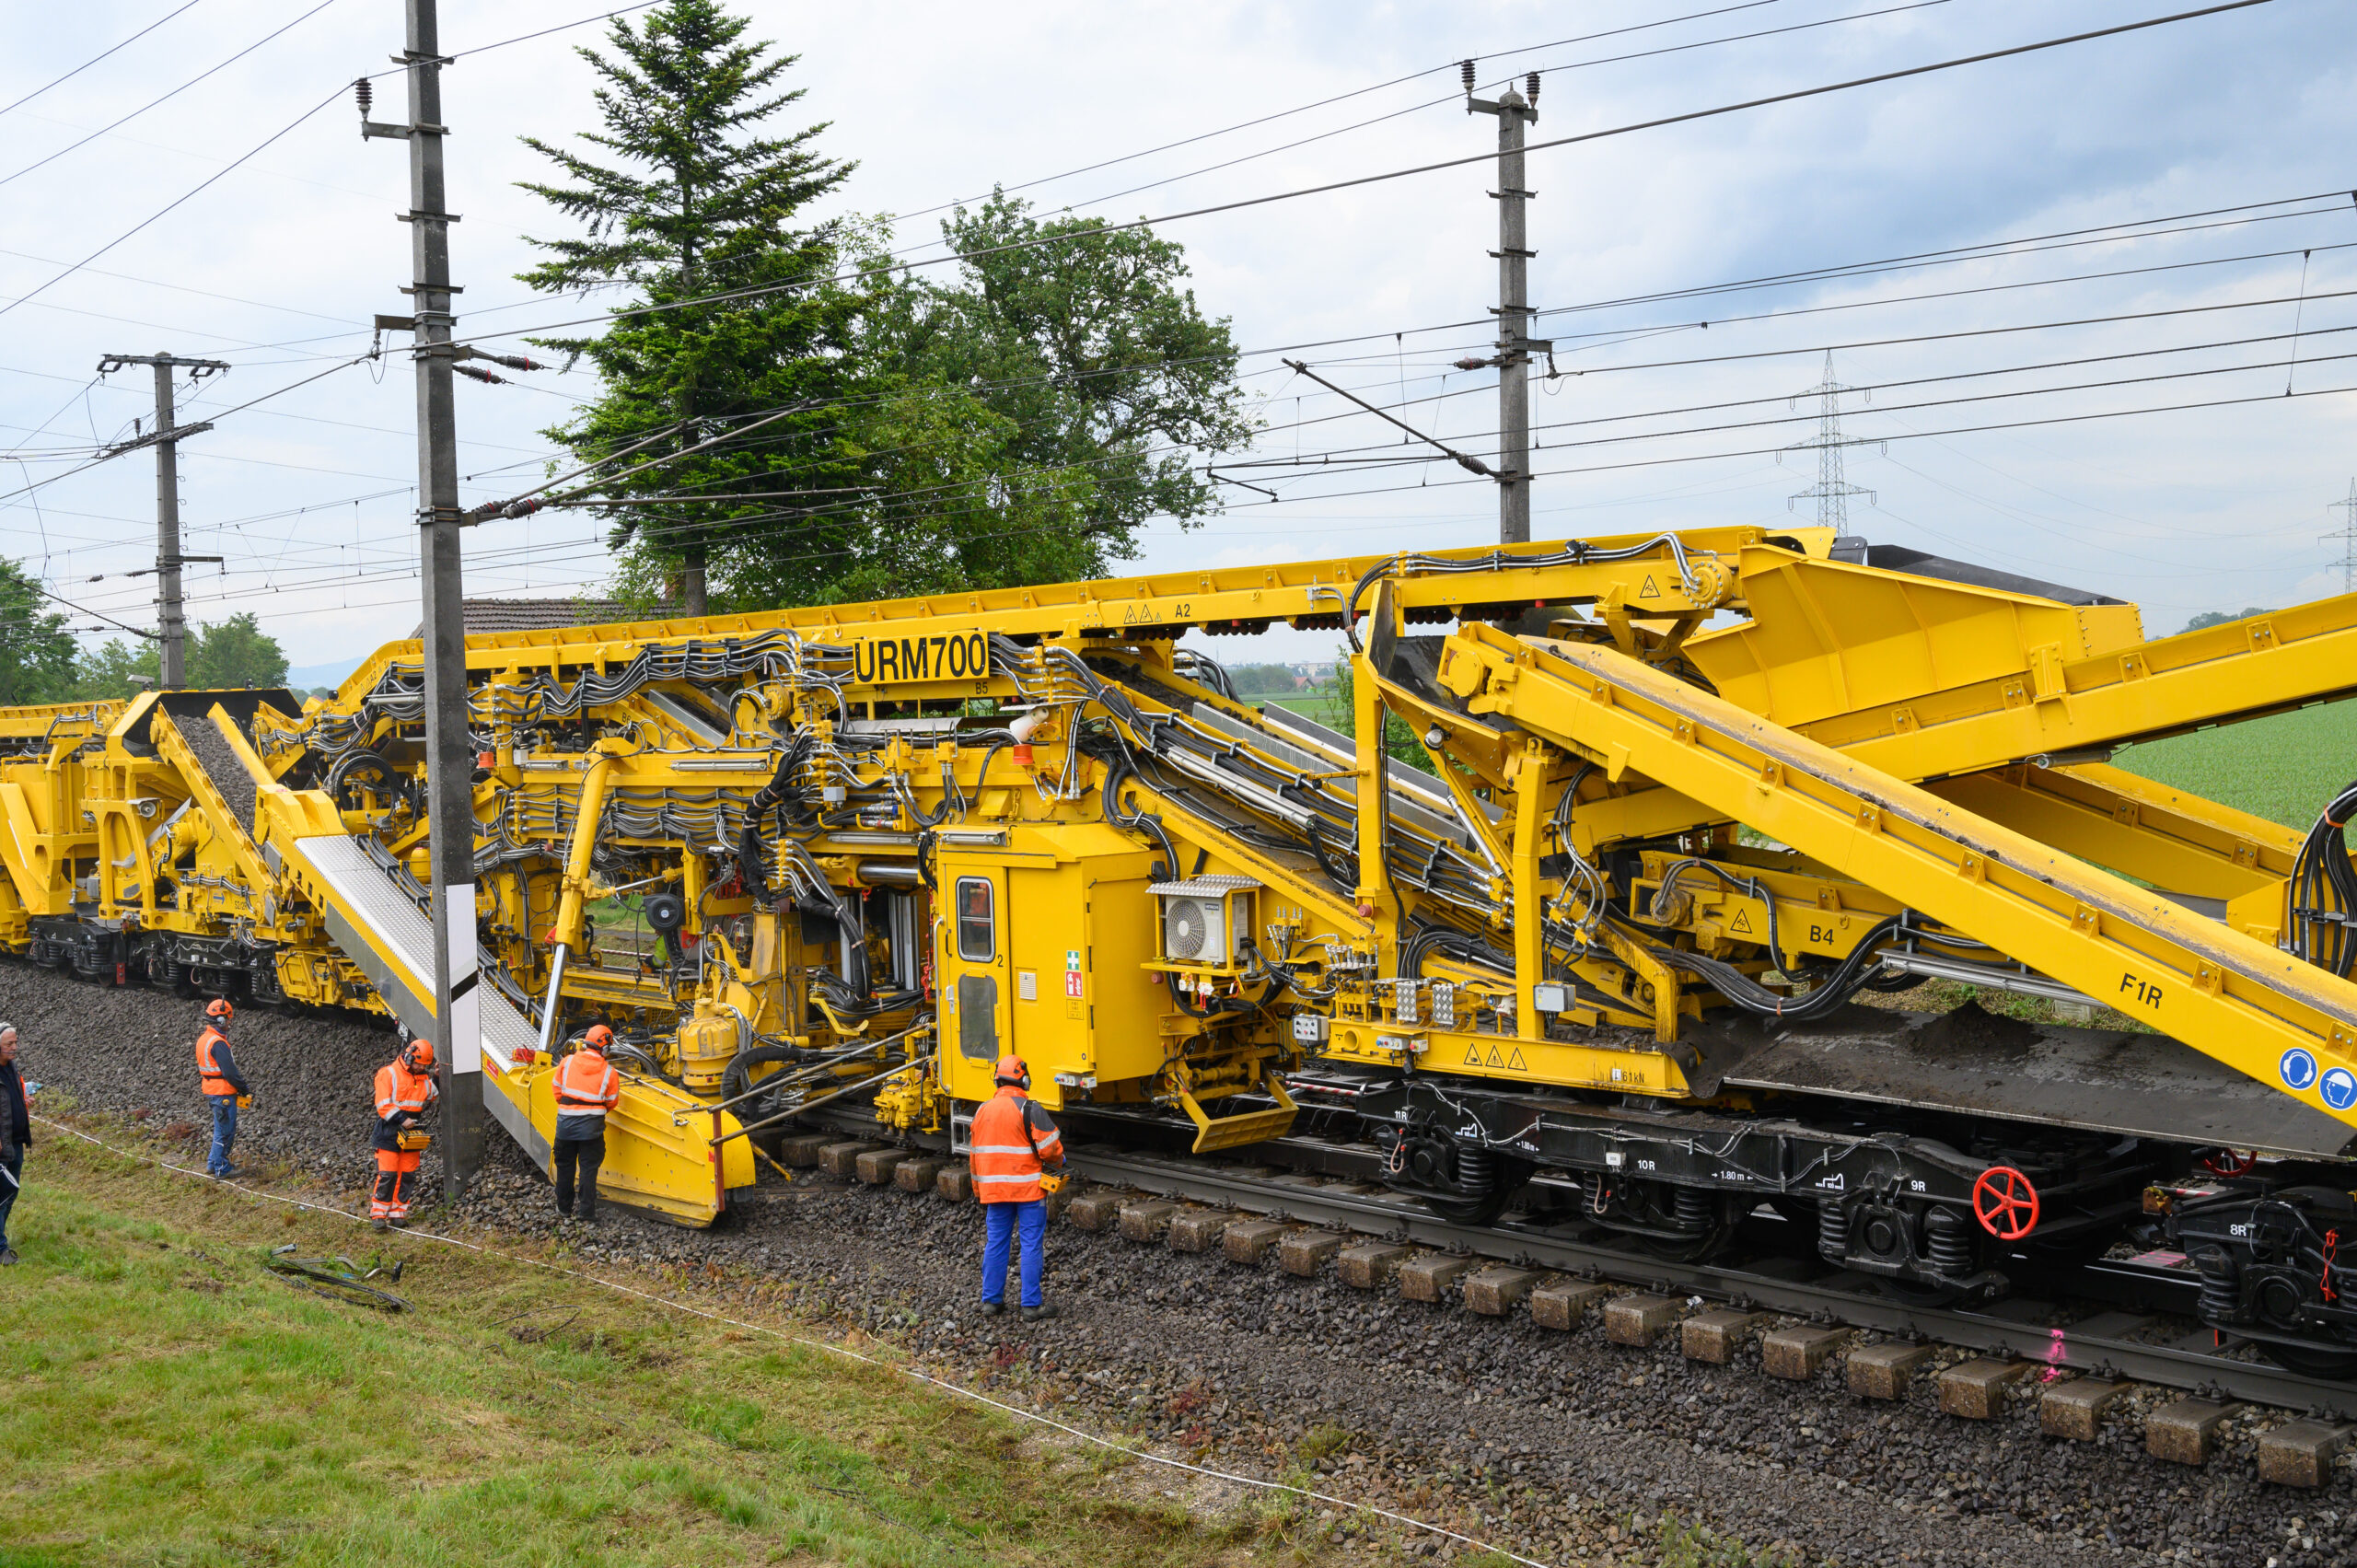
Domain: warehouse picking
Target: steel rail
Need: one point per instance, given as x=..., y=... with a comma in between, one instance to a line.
x=1847, y=1299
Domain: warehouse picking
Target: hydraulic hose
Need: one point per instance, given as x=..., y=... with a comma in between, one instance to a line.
x=2320, y=896
x=1847, y=978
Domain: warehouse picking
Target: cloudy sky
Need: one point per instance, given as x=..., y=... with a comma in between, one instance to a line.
x=2168, y=213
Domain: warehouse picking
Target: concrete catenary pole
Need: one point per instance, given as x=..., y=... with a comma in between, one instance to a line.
x=171, y=619
x=1516, y=113
x=450, y=749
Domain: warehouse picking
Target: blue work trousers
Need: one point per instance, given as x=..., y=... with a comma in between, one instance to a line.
x=225, y=1133
x=999, y=1221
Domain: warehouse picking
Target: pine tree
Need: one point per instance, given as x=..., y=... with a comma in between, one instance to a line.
x=696, y=200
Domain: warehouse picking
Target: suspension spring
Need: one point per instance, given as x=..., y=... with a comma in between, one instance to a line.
x=2221, y=1291
x=1950, y=1242
x=1476, y=1170
x=1832, y=1230
x=1695, y=1209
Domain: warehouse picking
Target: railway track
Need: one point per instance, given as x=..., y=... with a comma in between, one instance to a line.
x=2064, y=1320
x=2068, y=1326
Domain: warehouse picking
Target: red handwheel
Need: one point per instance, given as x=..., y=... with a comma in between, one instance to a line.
x=2005, y=1202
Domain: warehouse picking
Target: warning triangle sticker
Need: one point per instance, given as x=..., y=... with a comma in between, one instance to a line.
x=1517, y=1062
x=1495, y=1060
x=1472, y=1056
x=1742, y=921
x=1651, y=589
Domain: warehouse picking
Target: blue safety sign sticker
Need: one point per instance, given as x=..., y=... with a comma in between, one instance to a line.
x=2340, y=1088
x=2298, y=1069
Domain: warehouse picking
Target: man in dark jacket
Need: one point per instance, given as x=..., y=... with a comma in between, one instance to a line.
x=15, y=1131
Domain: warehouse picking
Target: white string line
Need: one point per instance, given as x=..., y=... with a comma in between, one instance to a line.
x=942, y=1383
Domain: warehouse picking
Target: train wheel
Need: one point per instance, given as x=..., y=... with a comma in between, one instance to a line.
x=1708, y=1219
x=1921, y=1293
x=2314, y=1361
x=1483, y=1210
x=1506, y=1177
x=1686, y=1249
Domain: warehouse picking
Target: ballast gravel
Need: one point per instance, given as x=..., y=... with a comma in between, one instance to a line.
x=1557, y=1446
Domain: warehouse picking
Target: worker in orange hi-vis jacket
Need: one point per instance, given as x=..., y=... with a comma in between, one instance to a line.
x=1015, y=1148
x=405, y=1087
x=226, y=1089
x=587, y=1089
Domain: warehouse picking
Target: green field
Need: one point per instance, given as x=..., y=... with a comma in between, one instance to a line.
x=169, y=1401
x=2283, y=768
x=1322, y=707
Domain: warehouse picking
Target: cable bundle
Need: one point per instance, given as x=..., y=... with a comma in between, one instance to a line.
x=2320, y=898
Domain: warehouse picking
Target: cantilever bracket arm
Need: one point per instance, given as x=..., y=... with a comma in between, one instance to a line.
x=1462, y=459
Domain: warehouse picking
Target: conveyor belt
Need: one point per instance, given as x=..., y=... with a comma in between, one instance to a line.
x=2262, y=1012
x=379, y=927
x=2143, y=1085
x=659, y=1155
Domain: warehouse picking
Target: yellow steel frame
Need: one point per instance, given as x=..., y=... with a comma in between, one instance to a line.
x=2214, y=988
x=1922, y=744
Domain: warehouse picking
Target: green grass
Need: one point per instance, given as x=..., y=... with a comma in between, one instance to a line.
x=1320, y=706
x=169, y=1402
x=2283, y=768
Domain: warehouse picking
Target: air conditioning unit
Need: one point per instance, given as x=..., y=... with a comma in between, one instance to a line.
x=1206, y=920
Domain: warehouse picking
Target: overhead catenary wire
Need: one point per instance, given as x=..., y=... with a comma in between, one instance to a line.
x=1326, y=103
x=1987, y=249
x=1794, y=312
x=1958, y=334
x=184, y=288
x=1991, y=249
x=1644, y=463
x=1004, y=383
x=952, y=491
x=102, y=54
x=1658, y=122
x=2013, y=368
x=1809, y=416
x=167, y=97
x=1455, y=98
x=176, y=201
x=240, y=407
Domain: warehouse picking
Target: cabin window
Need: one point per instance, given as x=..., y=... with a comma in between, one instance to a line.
x=977, y=923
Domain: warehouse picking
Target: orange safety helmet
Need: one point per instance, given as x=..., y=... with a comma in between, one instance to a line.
x=1014, y=1070
x=597, y=1038
x=219, y=1008
x=418, y=1054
